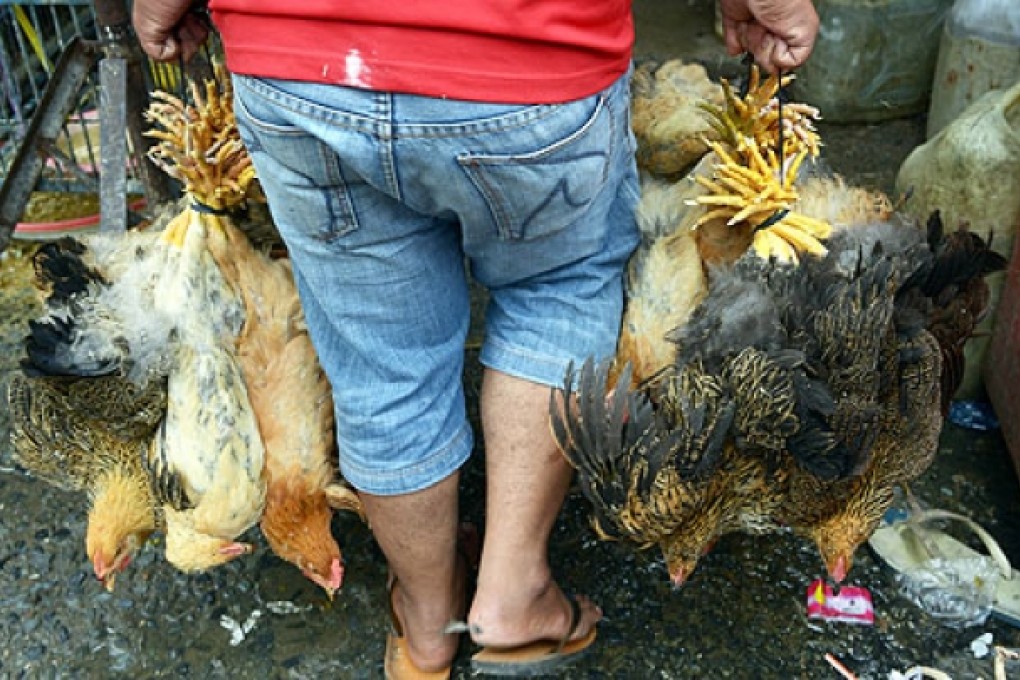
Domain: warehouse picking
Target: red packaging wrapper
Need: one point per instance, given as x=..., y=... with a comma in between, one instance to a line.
x=852, y=604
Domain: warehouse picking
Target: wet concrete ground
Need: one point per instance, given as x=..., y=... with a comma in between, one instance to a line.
x=741, y=616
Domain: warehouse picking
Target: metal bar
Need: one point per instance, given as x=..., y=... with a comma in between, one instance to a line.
x=56, y=103
x=113, y=164
x=114, y=25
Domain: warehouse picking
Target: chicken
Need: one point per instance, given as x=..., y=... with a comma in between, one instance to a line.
x=642, y=468
x=666, y=115
x=665, y=280
x=90, y=435
x=209, y=459
x=94, y=390
x=937, y=307
x=293, y=406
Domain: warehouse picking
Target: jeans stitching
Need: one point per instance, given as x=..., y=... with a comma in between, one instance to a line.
x=445, y=455
x=499, y=123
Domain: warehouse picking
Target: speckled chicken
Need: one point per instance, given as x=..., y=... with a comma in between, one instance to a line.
x=209, y=460
x=646, y=468
x=937, y=305
x=90, y=435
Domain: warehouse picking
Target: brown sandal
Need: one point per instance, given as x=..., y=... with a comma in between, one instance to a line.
x=397, y=664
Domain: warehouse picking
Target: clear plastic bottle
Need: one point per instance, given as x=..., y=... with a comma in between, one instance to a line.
x=873, y=59
x=979, y=52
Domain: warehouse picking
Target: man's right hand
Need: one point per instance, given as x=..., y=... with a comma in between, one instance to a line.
x=167, y=29
x=779, y=33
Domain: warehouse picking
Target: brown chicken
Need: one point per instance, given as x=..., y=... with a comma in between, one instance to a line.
x=292, y=402
x=90, y=434
x=667, y=102
x=937, y=308
x=665, y=279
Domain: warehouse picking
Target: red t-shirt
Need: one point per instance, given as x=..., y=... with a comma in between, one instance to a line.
x=512, y=51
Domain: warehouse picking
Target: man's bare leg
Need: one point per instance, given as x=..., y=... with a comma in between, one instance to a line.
x=526, y=480
x=418, y=534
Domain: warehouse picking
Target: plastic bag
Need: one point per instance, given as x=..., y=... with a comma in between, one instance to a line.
x=959, y=593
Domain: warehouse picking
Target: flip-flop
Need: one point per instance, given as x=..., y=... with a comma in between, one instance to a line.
x=905, y=544
x=397, y=664
x=536, y=658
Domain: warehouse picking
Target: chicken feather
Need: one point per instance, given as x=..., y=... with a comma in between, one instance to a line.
x=293, y=405
x=90, y=435
x=209, y=459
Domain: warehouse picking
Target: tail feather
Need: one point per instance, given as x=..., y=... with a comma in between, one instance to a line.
x=62, y=273
x=960, y=257
x=341, y=497
x=959, y=294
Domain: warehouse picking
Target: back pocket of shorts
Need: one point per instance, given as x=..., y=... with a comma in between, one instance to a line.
x=304, y=181
x=536, y=193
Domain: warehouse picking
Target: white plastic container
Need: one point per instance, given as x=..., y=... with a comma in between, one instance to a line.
x=979, y=51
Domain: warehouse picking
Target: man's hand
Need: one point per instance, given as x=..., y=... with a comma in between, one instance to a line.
x=779, y=33
x=167, y=29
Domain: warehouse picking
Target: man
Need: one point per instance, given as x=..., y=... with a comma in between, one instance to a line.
x=395, y=141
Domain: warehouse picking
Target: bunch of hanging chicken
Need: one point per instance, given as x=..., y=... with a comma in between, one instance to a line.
x=789, y=348
x=172, y=377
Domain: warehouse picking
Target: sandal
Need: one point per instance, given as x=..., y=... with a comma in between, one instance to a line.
x=534, y=658
x=397, y=664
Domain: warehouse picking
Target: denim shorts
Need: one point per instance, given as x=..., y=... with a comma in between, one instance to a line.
x=385, y=199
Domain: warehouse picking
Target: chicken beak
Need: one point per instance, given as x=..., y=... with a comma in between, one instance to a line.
x=333, y=583
x=839, y=569
x=236, y=549
x=678, y=577
x=104, y=573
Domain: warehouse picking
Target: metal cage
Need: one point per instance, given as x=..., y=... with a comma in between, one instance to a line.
x=49, y=47
x=33, y=35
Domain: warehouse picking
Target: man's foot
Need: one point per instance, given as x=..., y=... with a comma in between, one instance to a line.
x=559, y=629
x=432, y=661
x=548, y=614
x=428, y=655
